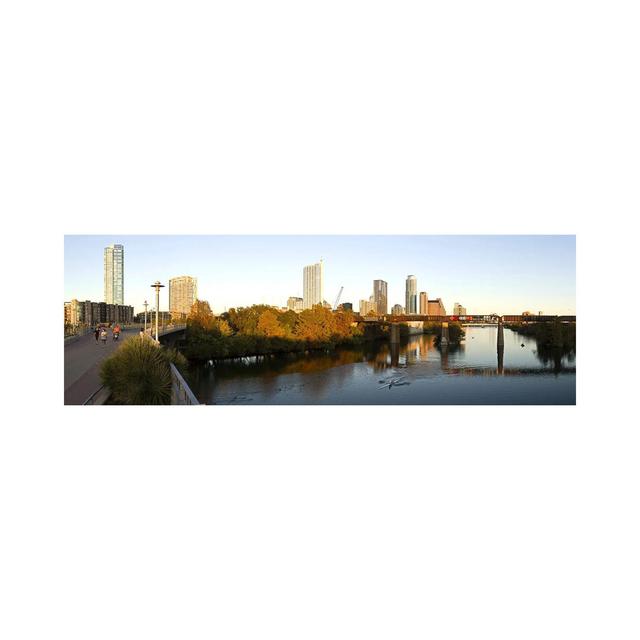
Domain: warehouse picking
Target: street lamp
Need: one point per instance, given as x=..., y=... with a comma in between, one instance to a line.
x=146, y=304
x=157, y=286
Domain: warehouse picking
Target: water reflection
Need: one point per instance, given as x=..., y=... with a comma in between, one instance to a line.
x=350, y=375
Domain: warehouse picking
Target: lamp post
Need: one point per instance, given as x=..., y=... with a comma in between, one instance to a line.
x=146, y=304
x=157, y=286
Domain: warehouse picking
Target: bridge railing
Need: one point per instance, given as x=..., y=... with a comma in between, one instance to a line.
x=180, y=391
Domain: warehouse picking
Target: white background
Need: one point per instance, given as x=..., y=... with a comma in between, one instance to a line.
x=321, y=522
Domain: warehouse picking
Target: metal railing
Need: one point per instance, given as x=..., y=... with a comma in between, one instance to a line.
x=151, y=329
x=180, y=391
x=98, y=397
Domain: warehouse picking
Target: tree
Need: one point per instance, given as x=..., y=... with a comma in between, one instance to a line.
x=245, y=319
x=223, y=327
x=288, y=320
x=269, y=326
x=342, y=322
x=201, y=316
x=315, y=324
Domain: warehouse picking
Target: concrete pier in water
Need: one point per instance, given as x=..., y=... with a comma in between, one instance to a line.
x=500, y=334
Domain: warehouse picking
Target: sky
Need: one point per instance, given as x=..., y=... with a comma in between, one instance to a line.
x=486, y=274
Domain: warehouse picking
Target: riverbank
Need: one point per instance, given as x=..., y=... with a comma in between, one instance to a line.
x=549, y=335
x=261, y=330
x=210, y=347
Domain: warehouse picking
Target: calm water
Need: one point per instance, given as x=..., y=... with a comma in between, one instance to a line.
x=415, y=372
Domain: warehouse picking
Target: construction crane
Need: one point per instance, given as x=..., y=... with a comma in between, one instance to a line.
x=335, y=304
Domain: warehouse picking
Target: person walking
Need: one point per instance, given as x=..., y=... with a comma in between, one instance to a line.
x=103, y=336
x=97, y=332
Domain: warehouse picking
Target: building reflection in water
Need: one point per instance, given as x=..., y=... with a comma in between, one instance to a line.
x=444, y=356
x=395, y=354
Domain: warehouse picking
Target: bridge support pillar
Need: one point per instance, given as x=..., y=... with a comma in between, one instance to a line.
x=444, y=340
x=500, y=334
x=394, y=333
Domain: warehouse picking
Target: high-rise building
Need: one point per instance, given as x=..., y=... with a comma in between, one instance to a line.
x=345, y=306
x=397, y=310
x=411, y=295
x=436, y=307
x=114, y=274
x=380, y=296
x=183, y=292
x=367, y=306
x=295, y=304
x=459, y=310
x=312, y=285
x=424, y=303
x=73, y=312
x=87, y=313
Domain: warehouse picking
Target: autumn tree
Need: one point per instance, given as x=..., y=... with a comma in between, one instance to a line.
x=315, y=324
x=288, y=321
x=201, y=316
x=268, y=325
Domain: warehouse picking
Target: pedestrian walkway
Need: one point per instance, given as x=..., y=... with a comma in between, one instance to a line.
x=82, y=360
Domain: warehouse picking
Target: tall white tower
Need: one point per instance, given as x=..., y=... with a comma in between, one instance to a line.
x=114, y=274
x=312, y=281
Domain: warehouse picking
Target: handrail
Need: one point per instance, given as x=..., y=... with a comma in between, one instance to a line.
x=99, y=396
x=180, y=391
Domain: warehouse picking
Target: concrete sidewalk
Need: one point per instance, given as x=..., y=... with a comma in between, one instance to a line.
x=82, y=360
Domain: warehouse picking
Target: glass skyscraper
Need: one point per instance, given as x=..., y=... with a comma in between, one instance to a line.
x=411, y=295
x=312, y=285
x=114, y=274
x=380, y=297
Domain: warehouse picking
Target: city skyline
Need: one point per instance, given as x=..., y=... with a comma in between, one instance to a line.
x=486, y=274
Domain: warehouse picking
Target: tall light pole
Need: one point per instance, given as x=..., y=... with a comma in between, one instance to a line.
x=157, y=286
x=146, y=304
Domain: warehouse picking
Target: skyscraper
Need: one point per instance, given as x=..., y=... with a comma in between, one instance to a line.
x=183, y=292
x=411, y=295
x=424, y=303
x=380, y=297
x=312, y=285
x=114, y=274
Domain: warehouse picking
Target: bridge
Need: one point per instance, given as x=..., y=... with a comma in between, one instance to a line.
x=468, y=319
x=83, y=358
x=394, y=322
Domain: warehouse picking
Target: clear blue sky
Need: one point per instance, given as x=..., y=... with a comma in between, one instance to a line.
x=486, y=274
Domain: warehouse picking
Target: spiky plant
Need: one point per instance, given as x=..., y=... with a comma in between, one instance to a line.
x=138, y=373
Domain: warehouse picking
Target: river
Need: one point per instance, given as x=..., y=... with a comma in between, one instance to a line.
x=414, y=372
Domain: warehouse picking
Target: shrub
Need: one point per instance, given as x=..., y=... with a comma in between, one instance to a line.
x=176, y=358
x=138, y=373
